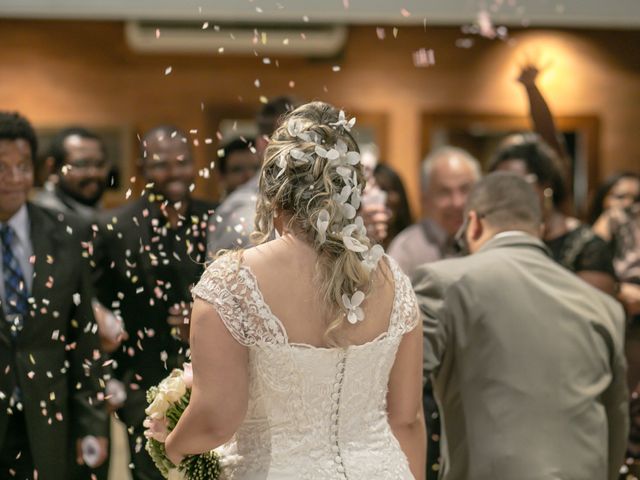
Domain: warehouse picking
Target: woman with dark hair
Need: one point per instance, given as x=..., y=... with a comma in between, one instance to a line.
x=619, y=191
x=391, y=183
x=572, y=244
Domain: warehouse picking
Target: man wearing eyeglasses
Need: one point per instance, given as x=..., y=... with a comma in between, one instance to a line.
x=78, y=160
x=527, y=359
x=50, y=392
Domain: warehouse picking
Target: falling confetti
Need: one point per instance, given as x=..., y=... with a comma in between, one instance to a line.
x=168, y=70
x=464, y=43
x=405, y=13
x=381, y=33
x=424, y=58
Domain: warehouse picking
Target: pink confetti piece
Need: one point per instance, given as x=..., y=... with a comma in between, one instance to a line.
x=424, y=58
x=381, y=33
x=405, y=13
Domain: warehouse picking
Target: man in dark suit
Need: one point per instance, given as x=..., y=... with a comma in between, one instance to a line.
x=149, y=253
x=49, y=351
x=527, y=359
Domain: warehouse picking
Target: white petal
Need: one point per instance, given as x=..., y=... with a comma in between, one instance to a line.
x=353, y=244
x=352, y=317
x=345, y=301
x=357, y=298
x=333, y=154
x=296, y=154
x=353, y=158
x=348, y=211
x=355, y=198
x=350, y=123
x=341, y=146
x=344, y=172
x=321, y=151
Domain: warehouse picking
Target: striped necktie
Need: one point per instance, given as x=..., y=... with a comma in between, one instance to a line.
x=16, y=292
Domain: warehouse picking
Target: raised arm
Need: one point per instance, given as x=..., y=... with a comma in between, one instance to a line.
x=541, y=116
x=220, y=390
x=404, y=401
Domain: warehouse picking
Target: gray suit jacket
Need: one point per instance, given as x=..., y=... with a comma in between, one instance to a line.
x=528, y=366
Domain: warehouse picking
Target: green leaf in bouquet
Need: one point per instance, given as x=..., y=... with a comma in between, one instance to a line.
x=205, y=466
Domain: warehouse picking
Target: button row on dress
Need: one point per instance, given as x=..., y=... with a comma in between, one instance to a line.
x=335, y=396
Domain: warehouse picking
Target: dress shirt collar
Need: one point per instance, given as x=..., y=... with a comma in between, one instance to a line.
x=20, y=225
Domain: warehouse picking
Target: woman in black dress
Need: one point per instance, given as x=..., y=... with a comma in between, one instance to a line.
x=572, y=243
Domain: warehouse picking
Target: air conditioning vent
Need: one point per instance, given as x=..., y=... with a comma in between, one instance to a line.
x=191, y=37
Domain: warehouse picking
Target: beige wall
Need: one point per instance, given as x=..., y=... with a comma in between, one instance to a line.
x=83, y=72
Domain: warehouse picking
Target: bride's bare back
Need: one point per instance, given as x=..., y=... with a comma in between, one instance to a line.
x=285, y=269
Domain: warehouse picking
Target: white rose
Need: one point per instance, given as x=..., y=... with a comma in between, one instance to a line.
x=175, y=474
x=158, y=407
x=173, y=388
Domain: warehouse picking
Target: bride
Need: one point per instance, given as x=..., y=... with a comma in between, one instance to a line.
x=306, y=349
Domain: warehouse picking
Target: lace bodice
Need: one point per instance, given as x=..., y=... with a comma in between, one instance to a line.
x=314, y=413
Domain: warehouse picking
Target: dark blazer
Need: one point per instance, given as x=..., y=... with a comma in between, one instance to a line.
x=528, y=365
x=55, y=359
x=131, y=282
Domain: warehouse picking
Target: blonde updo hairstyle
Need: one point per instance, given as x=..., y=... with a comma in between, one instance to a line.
x=300, y=191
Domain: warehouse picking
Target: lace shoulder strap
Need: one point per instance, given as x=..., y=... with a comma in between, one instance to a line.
x=233, y=291
x=405, y=314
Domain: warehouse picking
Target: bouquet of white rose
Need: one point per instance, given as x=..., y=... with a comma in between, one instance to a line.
x=167, y=403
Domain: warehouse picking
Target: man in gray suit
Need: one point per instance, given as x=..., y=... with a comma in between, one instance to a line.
x=527, y=359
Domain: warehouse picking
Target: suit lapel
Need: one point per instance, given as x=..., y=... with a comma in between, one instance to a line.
x=45, y=239
x=141, y=220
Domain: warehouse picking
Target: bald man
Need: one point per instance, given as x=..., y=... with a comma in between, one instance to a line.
x=447, y=177
x=149, y=253
x=448, y=174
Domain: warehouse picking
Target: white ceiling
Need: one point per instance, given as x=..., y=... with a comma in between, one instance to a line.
x=568, y=13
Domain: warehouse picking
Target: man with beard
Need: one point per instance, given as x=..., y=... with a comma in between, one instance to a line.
x=81, y=169
x=148, y=254
x=78, y=159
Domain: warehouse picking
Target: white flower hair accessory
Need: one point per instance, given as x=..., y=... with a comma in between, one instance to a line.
x=345, y=223
x=355, y=313
x=322, y=224
x=372, y=257
x=350, y=241
x=282, y=164
x=343, y=122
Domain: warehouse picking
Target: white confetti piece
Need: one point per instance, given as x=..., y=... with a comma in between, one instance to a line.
x=168, y=70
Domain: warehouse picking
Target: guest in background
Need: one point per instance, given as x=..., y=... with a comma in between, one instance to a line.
x=400, y=213
x=618, y=192
x=572, y=243
x=79, y=167
x=232, y=224
x=238, y=162
x=80, y=170
x=521, y=351
x=149, y=253
x=49, y=354
x=448, y=174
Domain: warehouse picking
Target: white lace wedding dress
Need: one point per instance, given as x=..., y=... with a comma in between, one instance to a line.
x=314, y=413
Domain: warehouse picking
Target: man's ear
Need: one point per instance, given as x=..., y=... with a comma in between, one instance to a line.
x=48, y=167
x=476, y=228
